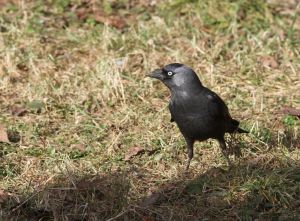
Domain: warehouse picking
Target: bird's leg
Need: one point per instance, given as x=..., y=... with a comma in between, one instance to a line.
x=224, y=149
x=190, y=152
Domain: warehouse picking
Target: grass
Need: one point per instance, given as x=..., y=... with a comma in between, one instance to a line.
x=88, y=103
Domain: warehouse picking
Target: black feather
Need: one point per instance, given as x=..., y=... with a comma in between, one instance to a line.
x=199, y=112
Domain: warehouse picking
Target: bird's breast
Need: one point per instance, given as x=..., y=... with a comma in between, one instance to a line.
x=184, y=111
x=186, y=104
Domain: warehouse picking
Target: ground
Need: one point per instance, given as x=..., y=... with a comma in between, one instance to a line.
x=96, y=141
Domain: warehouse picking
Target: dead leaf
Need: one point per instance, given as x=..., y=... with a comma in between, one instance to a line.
x=22, y=67
x=133, y=152
x=268, y=61
x=117, y=22
x=290, y=110
x=82, y=13
x=4, y=3
x=95, y=12
x=148, y=218
x=15, y=77
x=18, y=111
x=153, y=198
x=78, y=146
x=113, y=20
x=3, y=135
x=3, y=196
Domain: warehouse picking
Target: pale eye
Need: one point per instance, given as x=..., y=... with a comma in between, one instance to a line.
x=170, y=73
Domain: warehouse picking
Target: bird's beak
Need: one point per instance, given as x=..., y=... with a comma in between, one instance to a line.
x=156, y=74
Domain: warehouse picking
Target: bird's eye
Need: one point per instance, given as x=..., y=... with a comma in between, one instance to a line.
x=170, y=73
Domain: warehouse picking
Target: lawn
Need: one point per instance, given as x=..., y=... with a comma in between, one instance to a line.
x=90, y=136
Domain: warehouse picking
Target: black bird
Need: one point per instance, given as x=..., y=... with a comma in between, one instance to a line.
x=199, y=112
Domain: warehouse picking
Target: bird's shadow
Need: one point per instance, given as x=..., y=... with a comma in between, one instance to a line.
x=260, y=188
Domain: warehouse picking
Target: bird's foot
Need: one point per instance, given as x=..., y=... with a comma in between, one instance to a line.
x=187, y=166
x=226, y=155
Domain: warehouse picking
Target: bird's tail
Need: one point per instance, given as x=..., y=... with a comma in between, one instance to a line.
x=240, y=130
x=234, y=127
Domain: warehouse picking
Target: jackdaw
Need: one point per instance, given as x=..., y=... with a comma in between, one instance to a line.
x=199, y=113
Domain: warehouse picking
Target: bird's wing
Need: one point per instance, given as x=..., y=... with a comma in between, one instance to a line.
x=216, y=105
x=170, y=109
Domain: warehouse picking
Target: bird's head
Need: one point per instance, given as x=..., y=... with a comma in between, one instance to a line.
x=176, y=77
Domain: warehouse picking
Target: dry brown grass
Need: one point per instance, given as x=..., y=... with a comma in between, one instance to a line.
x=88, y=102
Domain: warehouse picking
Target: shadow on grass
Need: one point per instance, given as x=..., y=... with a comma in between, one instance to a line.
x=86, y=198
x=259, y=189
